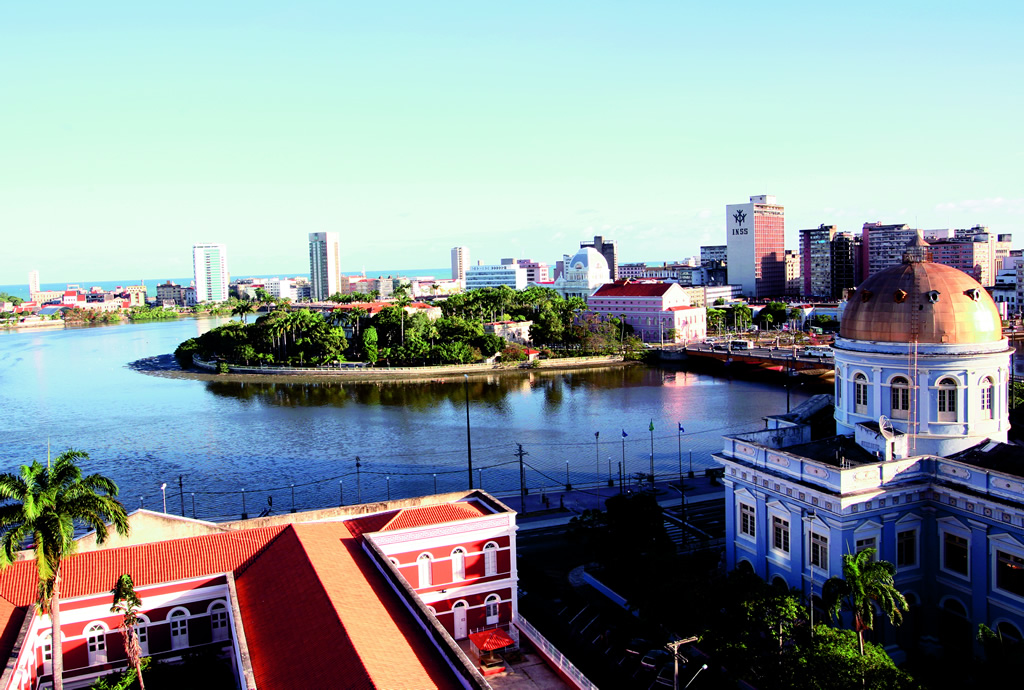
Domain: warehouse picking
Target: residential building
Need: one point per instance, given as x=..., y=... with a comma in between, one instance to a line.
x=536, y=272
x=714, y=254
x=653, y=309
x=584, y=272
x=170, y=293
x=794, y=283
x=512, y=275
x=633, y=270
x=816, y=254
x=972, y=257
x=33, y=282
x=844, y=264
x=136, y=295
x=391, y=589
x=919, y=467
x=210, y=266
x=756, y=246
x=512, y=331
x=324, y=265
x=609, y=249
x=284, y=288
x=44, y=296
x=460, y=264
x=882, y=245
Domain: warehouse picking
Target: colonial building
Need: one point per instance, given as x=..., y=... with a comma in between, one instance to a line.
x=919, y=468
x=583, y=273
x=388, y=588
x=657, y=311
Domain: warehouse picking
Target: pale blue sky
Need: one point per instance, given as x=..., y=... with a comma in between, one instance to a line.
x=130, y=131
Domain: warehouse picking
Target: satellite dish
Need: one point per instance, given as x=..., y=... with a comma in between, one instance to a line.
x=885, y=426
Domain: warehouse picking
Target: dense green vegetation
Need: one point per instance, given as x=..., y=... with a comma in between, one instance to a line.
x=5, y=297
x=394, y=337
x=151, y=314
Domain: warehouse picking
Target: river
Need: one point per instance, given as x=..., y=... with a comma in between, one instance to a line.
x=208, y=441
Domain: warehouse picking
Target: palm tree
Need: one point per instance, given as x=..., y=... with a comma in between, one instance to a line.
x=243, y=309
x=42, y=506
x=865, y=584
x=127, y=603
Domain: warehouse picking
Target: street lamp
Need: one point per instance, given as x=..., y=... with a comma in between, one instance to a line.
x=469, y=445
x=597, y=462
x=388, y=480
x=341, y=488
x=809, y=519
x=359, y=488
x=163, y=490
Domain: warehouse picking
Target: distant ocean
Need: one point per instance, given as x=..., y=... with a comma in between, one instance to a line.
x=21, y=290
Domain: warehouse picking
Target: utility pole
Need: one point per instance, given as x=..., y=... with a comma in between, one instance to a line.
x=522, y=478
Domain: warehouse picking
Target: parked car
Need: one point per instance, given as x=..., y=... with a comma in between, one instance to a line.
x=656, y=658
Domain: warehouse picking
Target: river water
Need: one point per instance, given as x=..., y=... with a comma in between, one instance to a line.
x=209, y=440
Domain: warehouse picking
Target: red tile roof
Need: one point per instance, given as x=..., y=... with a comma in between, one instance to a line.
x=370, y=523
x=681, y=308
x=319, y=615
x=433, y=515
x=629, y=289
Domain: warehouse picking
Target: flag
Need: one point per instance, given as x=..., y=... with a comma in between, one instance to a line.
x=624, y=434
x=681, y=429
x=652, y=426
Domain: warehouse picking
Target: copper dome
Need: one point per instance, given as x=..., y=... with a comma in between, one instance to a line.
x=922, y=301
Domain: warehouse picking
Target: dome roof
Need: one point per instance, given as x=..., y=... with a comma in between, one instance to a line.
x=923, y=301
x=588, y=257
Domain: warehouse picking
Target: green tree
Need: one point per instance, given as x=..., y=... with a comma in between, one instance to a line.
x=127, y=603
x=42, y=505
x=865, y=585
x=243, y=309
x=370, y=344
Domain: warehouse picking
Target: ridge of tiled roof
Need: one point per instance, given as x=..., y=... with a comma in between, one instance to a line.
x=369, y=523
x=315, y=596
x=95, y=572
x=629, y=289
x=432, y=515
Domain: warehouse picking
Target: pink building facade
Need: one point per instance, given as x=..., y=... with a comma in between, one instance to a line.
x=658, y=312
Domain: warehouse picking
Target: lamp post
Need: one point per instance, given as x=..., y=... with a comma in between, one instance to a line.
x=435, y=482
x=622, y=465
x=809, y=519
x=652, y=451
x=293, y=497
x=193, y=505
x=674, y=648
x=388, y=480
x=359, y=488
x=163, y=490
x=341, y=489
x=597, y=462
x=469, y=445
x=568, y=486
x=611, y=482
x=245, y=514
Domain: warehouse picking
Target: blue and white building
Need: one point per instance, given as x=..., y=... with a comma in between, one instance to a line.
x=919, y=467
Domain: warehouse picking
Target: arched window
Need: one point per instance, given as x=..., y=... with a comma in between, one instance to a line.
x=988, y=389
x=900, y=398
x=424, y=563
x=490, y=558
x=1008, y=631
x=219, y=621
x=179, y=628
x=860, y=394
x=142, y=630
x=947, y=400
x=96, y=642
x=458, y=564
x=491, y=608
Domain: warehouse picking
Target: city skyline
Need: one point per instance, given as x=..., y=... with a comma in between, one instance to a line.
x=521, y=131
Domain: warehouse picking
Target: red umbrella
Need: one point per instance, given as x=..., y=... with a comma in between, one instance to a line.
x=489, y=640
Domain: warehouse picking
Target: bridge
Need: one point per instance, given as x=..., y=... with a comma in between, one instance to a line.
x=774, y=358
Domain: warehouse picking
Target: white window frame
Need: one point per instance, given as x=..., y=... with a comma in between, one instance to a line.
x=955, y=528
x=786, y=535
x=424, y=570
x=142, y=632
x=860, y=393
x=899, y=397
x=222, y=632
x=987, y=398
x=178, y=615
x=818, y=552
x=915, y=529
x=95, y=634
x=490, y=558
x=458, y=559
x=492, y=609
x=748, y=519
x=1010, y=546
x=946, y=403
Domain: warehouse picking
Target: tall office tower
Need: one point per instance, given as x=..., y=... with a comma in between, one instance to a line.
x=816, y=260
x=792, y=266
x=755, y=234
x=844, y=258
x=609, y=250
x=882, y=245
x=210, y=267
x=33, y=282
x=460, y=264
x=324, y=262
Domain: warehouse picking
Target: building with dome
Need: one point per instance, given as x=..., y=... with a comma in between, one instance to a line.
x=584, y=273
x=919, y=466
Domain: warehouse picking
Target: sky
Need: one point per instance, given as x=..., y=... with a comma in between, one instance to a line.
x=131, y=131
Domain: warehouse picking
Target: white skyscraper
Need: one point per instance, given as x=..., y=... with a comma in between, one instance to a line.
x=33, y=282
x=324, y=270
x=460, y=264
x=210, y=265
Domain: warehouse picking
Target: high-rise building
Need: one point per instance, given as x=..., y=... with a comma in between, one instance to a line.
x=712, y=255
x=460, y=264
x=609, y=249
x=756, y=246
x=210, y=266
x=844, y=262
x=33, y=281
x=882, y=245
x=816, y=257
x=793, y=280
x=324, y=270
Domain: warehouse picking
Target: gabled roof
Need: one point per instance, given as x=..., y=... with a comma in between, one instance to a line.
x=628, y=288
x=434, y=515
x=318, y=615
